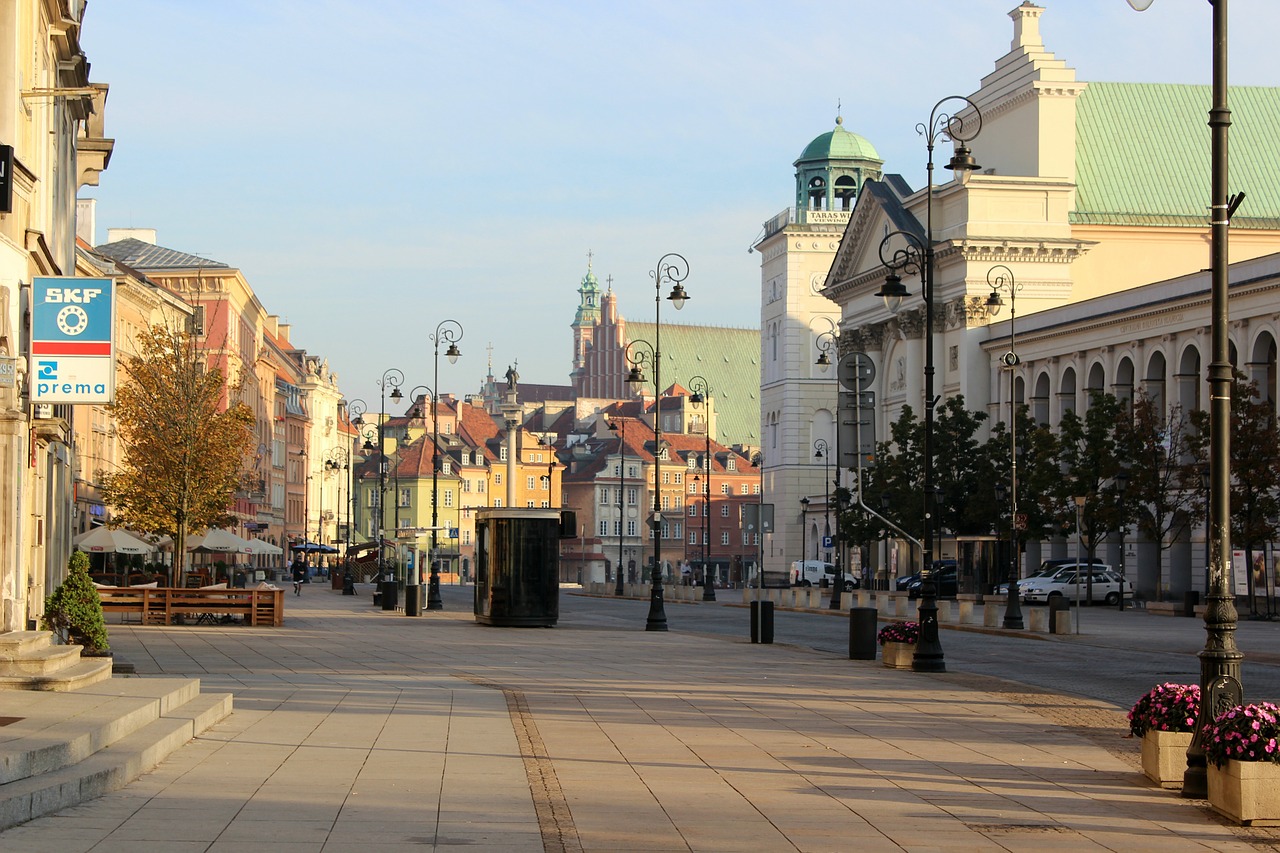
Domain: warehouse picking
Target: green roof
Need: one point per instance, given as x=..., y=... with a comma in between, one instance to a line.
x=729, y=359
x=1142, y=154
x=839, y=144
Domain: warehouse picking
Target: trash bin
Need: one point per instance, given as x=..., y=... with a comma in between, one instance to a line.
x=862, y=633
x=413, y=600
x=1057, y=604
x=348, y=583
x=1190, y=599
x=389, y=595
x=762, y=621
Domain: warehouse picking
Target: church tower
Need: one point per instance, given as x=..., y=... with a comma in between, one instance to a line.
x=797, y=398
x=584, y=321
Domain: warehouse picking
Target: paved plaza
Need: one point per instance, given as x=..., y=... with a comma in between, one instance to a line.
x=361, y=729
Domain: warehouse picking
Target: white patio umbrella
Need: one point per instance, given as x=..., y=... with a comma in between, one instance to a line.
x=104, y=540
x=219, y=541
x=261, y=546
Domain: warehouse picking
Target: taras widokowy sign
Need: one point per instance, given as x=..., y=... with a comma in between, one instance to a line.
x=72, y=349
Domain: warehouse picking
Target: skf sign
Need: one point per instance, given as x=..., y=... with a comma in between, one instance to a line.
x=72, y=346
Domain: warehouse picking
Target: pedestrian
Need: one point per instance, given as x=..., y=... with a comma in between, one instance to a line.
x=299, y=575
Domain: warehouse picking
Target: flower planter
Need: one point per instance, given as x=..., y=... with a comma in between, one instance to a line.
x=1247, y=792
x=1164, y=757
x=897, y=655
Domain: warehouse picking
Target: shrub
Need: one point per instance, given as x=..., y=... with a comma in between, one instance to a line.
x=900, y=632
x=74, y=611
x=1166, y=708
x=1245, y=733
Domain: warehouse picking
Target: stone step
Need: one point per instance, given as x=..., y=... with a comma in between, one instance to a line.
x=43, y=660
x=107, y=770
x=49, y=731
x=73, y=673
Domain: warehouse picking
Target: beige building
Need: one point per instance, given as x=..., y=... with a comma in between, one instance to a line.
x=51, y=116
x=1087, y=193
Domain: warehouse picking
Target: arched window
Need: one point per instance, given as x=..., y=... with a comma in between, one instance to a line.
x=1188, y=379
x=1067, y=392
x=817, y=193
x=1153, y=382
x=1262, y=366
x=1123, y=387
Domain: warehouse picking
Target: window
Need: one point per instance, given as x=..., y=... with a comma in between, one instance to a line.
x=724, y=538
x=666, y=502
x=502, y=453
x=726, y=489
x=404, y=523
x=693, y=462
x=406, y=497
x=617, y=528
x=745, y=489
x=446, y=467
x=724, y=510
x=466, y=536
x=497, y=501
x=732, y=464
x=448, y=497
x=373, y=498
x=633, y=494
x=497, y=481
x=604, y=497
x=666, y=529
x=679, y=530
x=755, y=488
x=666, y=477
x=466, y=458
x=528, y=483
x=546, y=482
x=693, y=487
x=466, y=485
x=693, y=510
x=529, y=504
x=677, y=478
x=479, y=485
x=631, y=471
x=693, y=537
x=631, y=528
x=546, y=504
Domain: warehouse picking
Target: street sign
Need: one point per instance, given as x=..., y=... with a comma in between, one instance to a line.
x=828, y=542
x=1020, y=521
x=72, y=351
x=757, y=518
x=855, y=370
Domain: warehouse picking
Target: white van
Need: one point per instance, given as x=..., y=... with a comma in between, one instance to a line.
x=818, y=573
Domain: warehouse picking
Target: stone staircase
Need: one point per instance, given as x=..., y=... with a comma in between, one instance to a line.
x=70, y=732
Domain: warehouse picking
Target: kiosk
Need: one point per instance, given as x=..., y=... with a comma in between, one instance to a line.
x=517, y=566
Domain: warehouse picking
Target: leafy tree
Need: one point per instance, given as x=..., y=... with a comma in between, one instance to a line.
x=1255, y=467
x=1091, y=458
x=184, y=447
x=1038, y=476
x=1165, y=454
x=73, y=611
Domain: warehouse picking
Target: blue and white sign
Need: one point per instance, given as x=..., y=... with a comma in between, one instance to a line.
x=828, y=541
x=72, y=340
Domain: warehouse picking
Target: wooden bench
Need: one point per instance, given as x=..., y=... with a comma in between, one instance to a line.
x=164, y=605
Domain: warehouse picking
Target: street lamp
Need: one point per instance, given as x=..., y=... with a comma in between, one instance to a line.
x=395, y=379
x=672, y=268
x=827, y=343
x=804, y=529
x=918, y=257
x=822, y=450
x=449, y=331
x=1001, y=278
x=355, y=416
x=702, y=392
x=1220, y=684
x=620, y=427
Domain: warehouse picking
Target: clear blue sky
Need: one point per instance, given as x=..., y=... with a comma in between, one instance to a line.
x=375, y=168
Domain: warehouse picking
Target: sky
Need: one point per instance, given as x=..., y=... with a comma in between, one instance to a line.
x=375, y=169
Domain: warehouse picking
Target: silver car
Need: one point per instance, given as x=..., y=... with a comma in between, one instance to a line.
x=1106, y=586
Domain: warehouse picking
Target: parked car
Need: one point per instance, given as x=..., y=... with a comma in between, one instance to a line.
x=1107, y=586
x=905, y=581
x=944, y=575
x=1048, y=568
x=818, y=573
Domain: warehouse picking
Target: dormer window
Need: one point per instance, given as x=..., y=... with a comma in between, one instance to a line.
x=693, y=461
x=732, y=464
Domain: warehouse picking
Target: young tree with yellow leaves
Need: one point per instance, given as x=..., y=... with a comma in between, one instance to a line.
x=184, y=443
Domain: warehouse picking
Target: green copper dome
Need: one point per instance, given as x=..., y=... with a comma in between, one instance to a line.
x=839, y=144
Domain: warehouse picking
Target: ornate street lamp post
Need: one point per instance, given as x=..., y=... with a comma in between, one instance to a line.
x=449, y=331
x=620, y=427
x=1001, y=278
x=395, y=379
x=822, y=450
x=1220, y=684
x=804, y=529
x=702, y=392
x=918, y=257
x=674, y=269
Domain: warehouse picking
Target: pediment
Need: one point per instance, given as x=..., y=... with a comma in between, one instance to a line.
x=877, y=213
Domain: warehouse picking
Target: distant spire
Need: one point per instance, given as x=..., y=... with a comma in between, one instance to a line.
x=590, y=255
x=609, y=281
x=839, y=109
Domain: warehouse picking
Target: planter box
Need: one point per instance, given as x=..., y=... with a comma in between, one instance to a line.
x=1164, y=757
x=1247, y=792
x=897, y=655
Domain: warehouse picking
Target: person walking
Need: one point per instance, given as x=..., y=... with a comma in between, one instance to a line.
x=299, y=575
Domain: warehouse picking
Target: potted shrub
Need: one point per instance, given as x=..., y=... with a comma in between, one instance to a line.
x=74, y=611
x=898, y=644
x=1164, y=718
x=1242, y=748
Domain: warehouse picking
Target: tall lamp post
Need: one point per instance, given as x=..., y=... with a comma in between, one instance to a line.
x=828, y=343
x=918, y=257
x=449, y=331
x=395, y=379
x=804, y=530
x=1000, y=277
x=1220, y=684
x=674, y=269
x=620, y=427
x=702, y=392
x=822, y=450
x=413, y=580
x=355, y=416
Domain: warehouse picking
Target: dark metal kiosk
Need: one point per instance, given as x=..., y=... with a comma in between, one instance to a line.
x=518, y=567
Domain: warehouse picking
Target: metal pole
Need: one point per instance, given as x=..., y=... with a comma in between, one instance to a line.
x=622, y=487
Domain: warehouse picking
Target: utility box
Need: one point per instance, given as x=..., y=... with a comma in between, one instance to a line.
x=517, y=567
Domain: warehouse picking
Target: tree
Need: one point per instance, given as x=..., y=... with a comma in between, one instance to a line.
x=184, y=447
x=1039, y=476
x=1164, y=491
x=1091, y=459
x=1255, y=468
